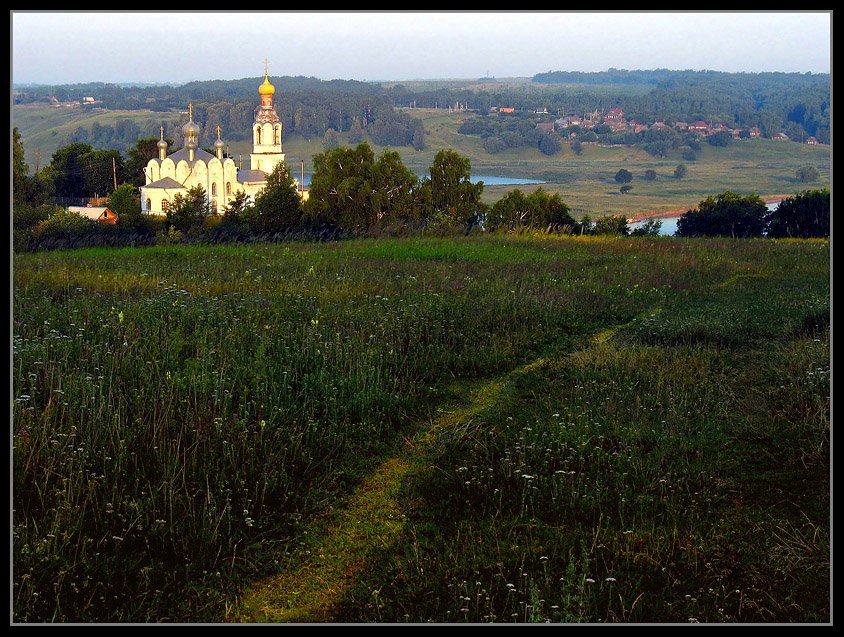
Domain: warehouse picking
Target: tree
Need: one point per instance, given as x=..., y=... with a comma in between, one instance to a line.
x=341, y=188
x=649, y=228
x=721, y=138
x=452, y=191
x=807, y=174
x=650, y=175
x=626, y=189
x=549, y=144
x=278, y=207
x=126, y=203
x=419, y=137
x=726, y=215
x=611, y=224
x=188, y=212
x=237, y=206
x=538, y=210
x=20, y=176
x=802, y=216
x=138, y=157
x=394, y=187
x=623, y=176
x=688, y=154
x=577, y=147
x=330, y=139
x=356, y=133
x=101, y=168
x=680, y=171
x=67, y=170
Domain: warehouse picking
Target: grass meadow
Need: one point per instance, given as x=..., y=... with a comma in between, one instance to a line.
x=185, y=420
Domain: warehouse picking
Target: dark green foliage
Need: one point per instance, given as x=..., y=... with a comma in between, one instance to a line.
x=623, y=176
x=721, y=138
x=538, y=210
x=330, y=140
x=650, y=228
x=611, y=225
x=802, y=216
x=20, y=171
x=452, y=192
x=418, y=140
x=680, y=171
x=187, y=213
x=126, y=203
x=549, y=144
x=626, y=189
x=650, y=175
x=688, y=154
x=494, y=145
x=352, y=191
x=138, y=155
x=807, y=174
x=726, y=215
x=277, y=208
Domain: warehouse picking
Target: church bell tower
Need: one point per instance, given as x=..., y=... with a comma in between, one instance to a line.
x=267, y=150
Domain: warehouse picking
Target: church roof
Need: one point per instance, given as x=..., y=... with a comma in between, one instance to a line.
x=166, y=182
x=197, y=154
x=251, y=176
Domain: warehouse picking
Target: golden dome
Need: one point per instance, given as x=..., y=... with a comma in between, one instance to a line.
x=266, y=88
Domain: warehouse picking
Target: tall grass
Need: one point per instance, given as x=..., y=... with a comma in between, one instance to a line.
x=677, y=473
x=181, y=414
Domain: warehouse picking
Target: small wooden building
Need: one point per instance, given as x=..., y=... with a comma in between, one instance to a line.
x=100, y=214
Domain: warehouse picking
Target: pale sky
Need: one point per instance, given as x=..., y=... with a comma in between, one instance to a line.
x=50, y=47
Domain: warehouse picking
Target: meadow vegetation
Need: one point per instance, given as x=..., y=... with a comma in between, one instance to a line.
x=185, y=417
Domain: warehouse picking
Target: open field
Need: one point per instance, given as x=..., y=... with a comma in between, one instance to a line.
x=586, y=182
x=475, y=429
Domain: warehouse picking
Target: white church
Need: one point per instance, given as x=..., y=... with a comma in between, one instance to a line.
x=174, y=174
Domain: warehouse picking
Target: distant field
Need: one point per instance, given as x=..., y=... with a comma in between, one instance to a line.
x=585, y=182
x=480, y=429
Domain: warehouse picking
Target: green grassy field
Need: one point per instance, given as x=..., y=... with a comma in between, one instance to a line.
x=480, y=429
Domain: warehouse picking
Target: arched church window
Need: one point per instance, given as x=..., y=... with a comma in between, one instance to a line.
x=277, y=135
x=165, y=205
x=258, y=135
x=214, y=189
x=149, y=204
x=228, y=188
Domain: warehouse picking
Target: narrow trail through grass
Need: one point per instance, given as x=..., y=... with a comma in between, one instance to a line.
x=336, y=550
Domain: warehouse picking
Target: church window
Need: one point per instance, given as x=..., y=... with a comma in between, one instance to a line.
x=149, y=204
x=228, y=188
x=213, y=189
x=277, y=136
x=258, y=135
x=165, y=205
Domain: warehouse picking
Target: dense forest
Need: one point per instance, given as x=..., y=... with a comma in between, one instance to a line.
x=794, y=103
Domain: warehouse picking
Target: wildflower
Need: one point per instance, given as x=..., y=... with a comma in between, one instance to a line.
x=609, y=579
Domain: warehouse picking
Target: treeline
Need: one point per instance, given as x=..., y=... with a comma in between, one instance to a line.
x=804, y=216
x=306, y=106
x=793, y=103
x=502, y=133
x=352, y=193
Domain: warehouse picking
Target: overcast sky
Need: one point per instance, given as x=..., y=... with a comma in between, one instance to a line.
x=64, y=48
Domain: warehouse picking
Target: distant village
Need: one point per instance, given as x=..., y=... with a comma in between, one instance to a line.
x=617, y=122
